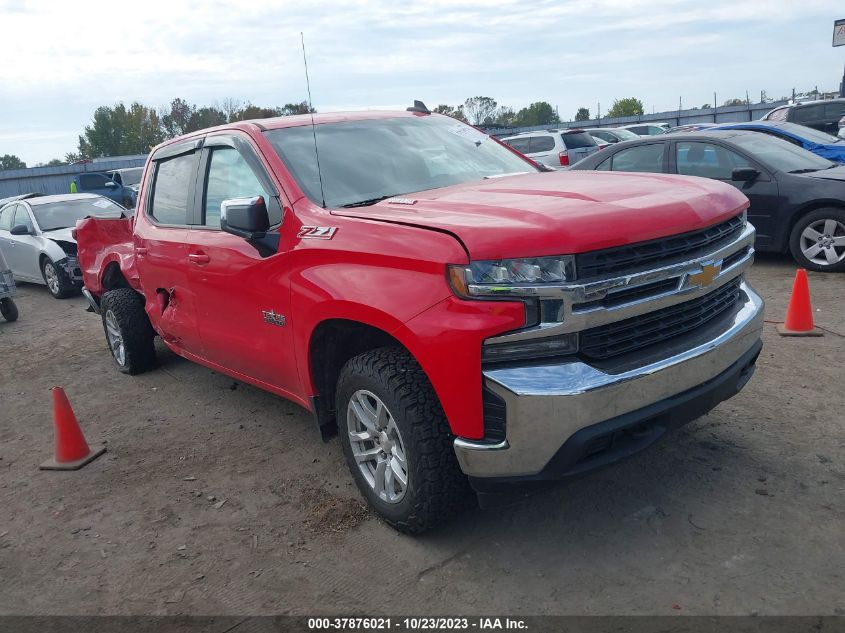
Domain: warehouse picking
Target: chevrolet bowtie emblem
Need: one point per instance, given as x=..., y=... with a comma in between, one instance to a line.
x=705, y=276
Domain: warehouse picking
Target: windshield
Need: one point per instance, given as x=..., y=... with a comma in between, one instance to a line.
x=779, y=154
x=61, y=215
x=814, y=136
x=131, y=177
x=363, y=161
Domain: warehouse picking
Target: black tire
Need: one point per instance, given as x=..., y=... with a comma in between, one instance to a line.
x=436, y=487
x=797, y=243
x=8, y=309
x=63, y=286
x=125, y=309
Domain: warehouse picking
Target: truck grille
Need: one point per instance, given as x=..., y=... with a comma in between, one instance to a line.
x=656, y=253
x=641, y=331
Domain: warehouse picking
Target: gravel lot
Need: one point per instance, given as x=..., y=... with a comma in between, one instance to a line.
x=739, y=512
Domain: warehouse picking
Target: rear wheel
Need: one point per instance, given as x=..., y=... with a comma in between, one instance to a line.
x=396, y=440
x=817, y=241
x=57, y=280
x=8, y=309
x=129, y=335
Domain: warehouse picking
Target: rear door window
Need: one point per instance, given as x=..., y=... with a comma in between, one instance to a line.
x=543, y=143
x=519, y=144
x=574, y=140
x=173, y=190
x=643, y=158
x=93, y=181
x=707, y=160
x=834, y=110
x=809, y=113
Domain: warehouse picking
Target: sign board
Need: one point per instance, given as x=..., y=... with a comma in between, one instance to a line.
x=839, y=33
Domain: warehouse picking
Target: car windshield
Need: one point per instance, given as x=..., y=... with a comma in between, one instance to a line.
x=808, y=133
x=779, y=154
x=61, y=215
x=362, y=162
x=132, y=176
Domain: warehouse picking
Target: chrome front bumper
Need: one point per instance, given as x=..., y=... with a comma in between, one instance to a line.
x=547, y=403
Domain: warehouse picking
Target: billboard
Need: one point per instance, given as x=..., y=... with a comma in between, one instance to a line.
x=839, y=33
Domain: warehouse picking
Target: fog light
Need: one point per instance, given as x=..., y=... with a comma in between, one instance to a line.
x=529, y=349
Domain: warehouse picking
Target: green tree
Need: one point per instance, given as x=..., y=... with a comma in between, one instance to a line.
x=55, y=162
x=480, y=110
x=302, y=107
x=176, y=120
x=250, y=111
x=118, y=130
x=706, y=106
x=205, y=117
x=583, y=114
x=733, y=102
x=538, y=113
x=455, y=113
x=10, y=161
x=625, y=107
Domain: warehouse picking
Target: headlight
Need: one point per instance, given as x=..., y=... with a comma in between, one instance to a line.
x=510, y=276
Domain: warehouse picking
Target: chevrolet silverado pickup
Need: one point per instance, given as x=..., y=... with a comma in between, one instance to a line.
x=454, y=312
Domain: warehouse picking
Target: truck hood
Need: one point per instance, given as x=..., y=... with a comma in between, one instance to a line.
x=562, y=212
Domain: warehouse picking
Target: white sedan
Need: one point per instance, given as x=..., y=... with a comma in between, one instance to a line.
x=36, y=240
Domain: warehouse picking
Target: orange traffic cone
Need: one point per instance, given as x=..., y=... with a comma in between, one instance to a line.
x=72, y=451
x=799, y=313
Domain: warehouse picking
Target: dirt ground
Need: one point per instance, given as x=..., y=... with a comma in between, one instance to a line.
x=217, y=498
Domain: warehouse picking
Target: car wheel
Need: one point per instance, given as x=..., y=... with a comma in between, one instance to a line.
x=57, y=280
x=129, y=335
x=817, y=241
x=396, y=440
x=8, y=309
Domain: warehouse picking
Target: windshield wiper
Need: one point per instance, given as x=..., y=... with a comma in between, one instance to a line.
x=365, y=203
x=56, y=228
x=806, y=170
x=513, y=173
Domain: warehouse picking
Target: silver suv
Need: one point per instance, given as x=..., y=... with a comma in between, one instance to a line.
x=555, y=148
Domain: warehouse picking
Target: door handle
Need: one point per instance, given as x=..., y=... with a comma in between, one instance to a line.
x=199, y=258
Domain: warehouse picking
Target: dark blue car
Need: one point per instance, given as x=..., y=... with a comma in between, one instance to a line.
x=102, y=185
x=820, y=143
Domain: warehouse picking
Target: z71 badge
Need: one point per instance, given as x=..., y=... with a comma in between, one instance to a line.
x=317, y=232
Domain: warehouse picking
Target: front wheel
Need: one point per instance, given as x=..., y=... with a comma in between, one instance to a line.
x=817, y=241
x=57, y=280
x=8, y=309
x=130, y=337
x=397, y=441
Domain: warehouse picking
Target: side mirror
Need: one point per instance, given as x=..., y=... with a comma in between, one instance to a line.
x=20, y=229
x=744, y=174
x=245, y=217
x=248, y=218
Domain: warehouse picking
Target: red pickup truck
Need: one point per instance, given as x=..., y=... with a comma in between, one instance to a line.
x=457, y=313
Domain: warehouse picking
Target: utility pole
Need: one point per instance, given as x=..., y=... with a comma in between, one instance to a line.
x=715, y=106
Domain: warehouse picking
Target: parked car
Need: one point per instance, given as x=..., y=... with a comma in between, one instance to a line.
x=432, y=297
x=555, y=148
x=820, y=115
x=796, y=197
x=841, y=133
x=101, y=184
x=689, y=127
x=127, y=177
x=8, y=309
x=36, y=239
x=611, y=135
x=646, y=129
x=812, y=140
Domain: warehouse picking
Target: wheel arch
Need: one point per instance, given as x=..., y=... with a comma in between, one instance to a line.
x=332, y=342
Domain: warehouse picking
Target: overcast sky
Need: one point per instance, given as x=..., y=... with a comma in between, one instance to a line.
x=60, y=60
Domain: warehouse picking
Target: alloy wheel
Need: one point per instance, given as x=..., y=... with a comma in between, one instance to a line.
x=377, y=446
x=51, y=277
x=823, y=242
x=115, y=339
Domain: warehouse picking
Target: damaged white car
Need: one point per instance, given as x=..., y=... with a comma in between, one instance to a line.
x=36, y=239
